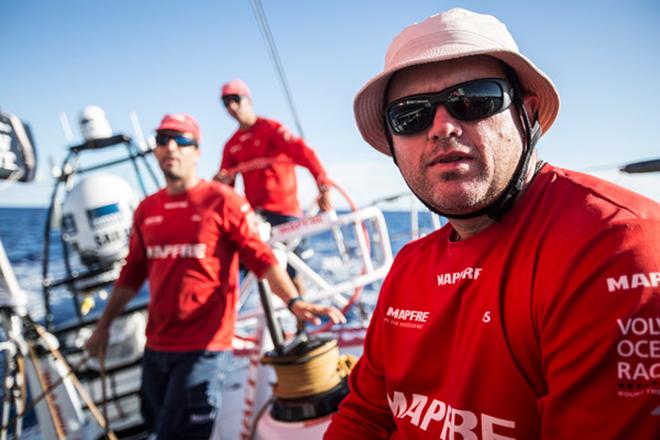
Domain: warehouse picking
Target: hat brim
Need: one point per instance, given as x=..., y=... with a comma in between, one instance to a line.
x=176, y=126
x=369, y=102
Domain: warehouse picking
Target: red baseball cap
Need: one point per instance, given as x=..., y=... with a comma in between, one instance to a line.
x=181, y=122
x=235, y=87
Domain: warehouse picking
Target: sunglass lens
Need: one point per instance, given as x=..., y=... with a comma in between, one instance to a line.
x=229, y=99
x=162, y=139
x=180, y=139
x=409, y=117
x=475, y=101
x=184, y=141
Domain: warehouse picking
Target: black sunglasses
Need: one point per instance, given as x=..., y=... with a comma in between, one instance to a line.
x=181, y=139
x=468, y=101
x=228, y=99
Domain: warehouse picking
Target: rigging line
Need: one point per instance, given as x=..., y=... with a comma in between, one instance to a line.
x=275, y=58
x=82, y=391
x=55, y=417
x=273, y=53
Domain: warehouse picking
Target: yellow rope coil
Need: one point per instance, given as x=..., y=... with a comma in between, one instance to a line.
x=314, y=373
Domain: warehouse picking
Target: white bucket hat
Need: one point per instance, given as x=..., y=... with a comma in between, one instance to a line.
x=456, y=33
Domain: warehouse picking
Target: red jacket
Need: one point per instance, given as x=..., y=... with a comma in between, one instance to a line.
x=266, y=156
x=544, y=325
x=188, y=247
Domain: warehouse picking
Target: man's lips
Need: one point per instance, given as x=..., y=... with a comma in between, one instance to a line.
x=450, y=159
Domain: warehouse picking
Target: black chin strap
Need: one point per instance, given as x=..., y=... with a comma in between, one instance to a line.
x=504, y=202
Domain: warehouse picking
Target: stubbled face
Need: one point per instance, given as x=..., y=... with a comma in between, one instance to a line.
x=177, y=162
x=456, y=166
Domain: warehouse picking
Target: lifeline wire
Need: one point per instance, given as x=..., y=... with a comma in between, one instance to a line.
x=267, y=35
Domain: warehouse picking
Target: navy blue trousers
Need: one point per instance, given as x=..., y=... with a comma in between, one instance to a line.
x=181, y=392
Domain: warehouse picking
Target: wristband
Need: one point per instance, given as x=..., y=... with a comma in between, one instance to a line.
x=292, y=301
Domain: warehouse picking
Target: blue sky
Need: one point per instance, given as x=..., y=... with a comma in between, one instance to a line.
x=154, y=57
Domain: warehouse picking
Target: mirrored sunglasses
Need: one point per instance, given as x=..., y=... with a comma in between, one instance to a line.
x=468, y=101
x=228, y=99
x=181, y=139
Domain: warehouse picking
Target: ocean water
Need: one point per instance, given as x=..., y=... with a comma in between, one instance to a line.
x=22, y=231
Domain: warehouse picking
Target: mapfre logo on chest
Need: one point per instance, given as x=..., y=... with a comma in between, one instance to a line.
x=633, y=281
x=448, y=278
x=175, y=251
x=407, y=318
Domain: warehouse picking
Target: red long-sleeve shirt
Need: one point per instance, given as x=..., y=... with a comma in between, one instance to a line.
x=266, y=156
x=544, y=325
x=188, y=246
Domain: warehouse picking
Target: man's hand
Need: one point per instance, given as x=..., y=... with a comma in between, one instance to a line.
x=309, y=312
x=283, y=287
x=120, y=296
x=97, y=343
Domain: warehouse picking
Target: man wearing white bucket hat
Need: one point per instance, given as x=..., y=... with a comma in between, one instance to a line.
x=534, y=312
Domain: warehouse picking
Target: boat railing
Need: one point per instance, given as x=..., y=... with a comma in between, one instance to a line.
x=372, y=253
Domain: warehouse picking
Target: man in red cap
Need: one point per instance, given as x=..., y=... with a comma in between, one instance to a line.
x=265, y=153
x=533, y=314
x=186, y=240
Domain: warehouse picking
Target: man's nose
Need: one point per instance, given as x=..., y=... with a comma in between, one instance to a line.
x=444, y=125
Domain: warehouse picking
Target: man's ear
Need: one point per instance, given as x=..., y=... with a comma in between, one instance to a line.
x=531, y=103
